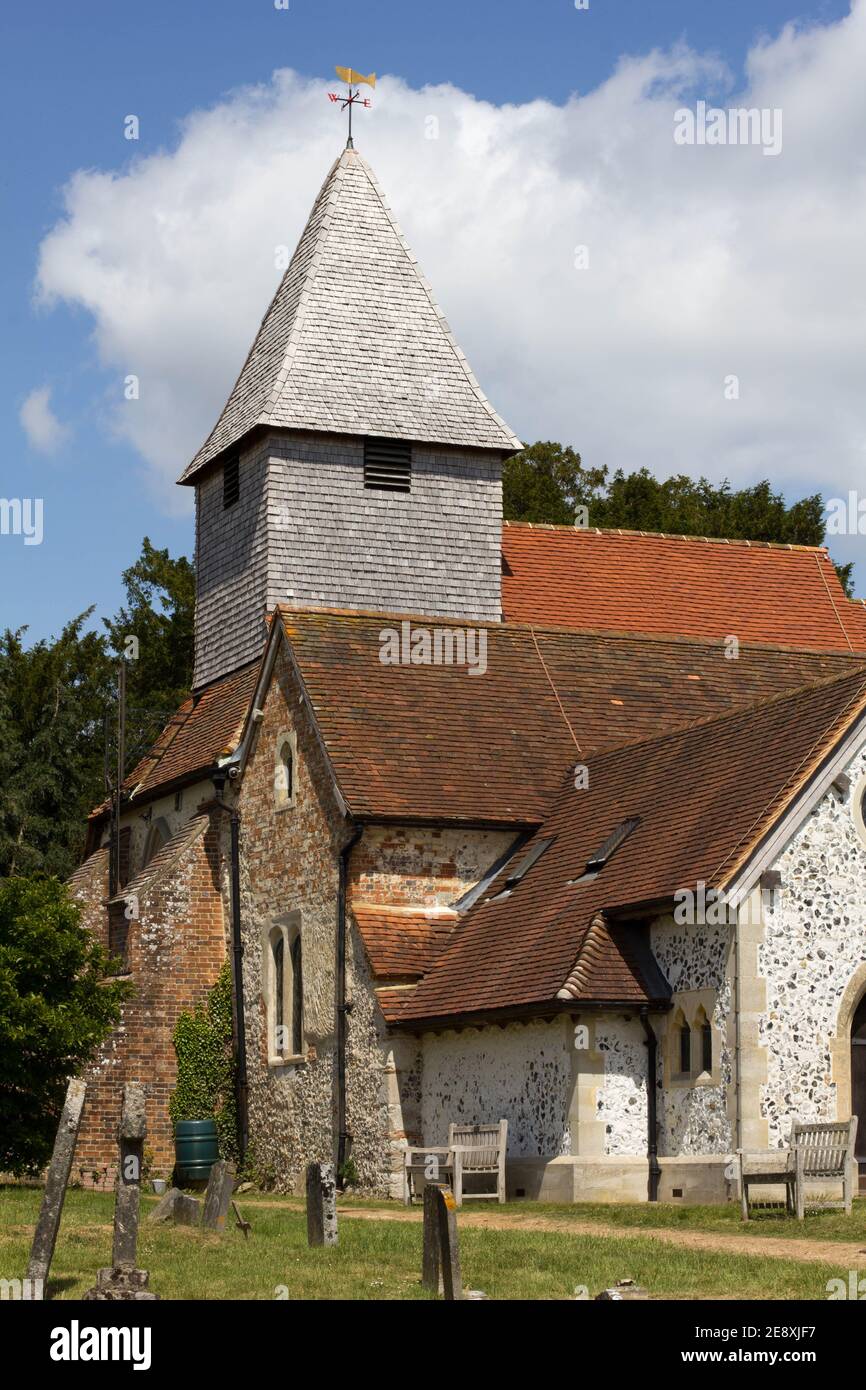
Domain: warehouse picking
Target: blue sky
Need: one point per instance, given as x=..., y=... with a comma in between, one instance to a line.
x=70, y=73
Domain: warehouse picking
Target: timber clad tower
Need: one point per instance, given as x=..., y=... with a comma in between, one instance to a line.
x=357, y=462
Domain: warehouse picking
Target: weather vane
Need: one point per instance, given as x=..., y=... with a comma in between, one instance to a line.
x=353, y=80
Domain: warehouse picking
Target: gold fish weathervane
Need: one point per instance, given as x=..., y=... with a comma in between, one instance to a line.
x=353, y=80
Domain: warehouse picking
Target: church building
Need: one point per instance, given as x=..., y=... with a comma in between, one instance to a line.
x=494, y=821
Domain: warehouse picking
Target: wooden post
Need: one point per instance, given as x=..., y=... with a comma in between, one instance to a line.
x=217, y=1198
x=321, y=1204
x=45, y=1235
x=430, y=1259
x=441, y=1246
x=449, y=1245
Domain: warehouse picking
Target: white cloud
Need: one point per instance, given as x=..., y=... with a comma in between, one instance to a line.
x=703, y=261
x=43, y=429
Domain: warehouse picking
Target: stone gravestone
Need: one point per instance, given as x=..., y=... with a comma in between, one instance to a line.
x=45, y=1235
x=123, y=1280
x=217, y=1199
x=178, y=1208
x=321, y=1204
x=441, y=1258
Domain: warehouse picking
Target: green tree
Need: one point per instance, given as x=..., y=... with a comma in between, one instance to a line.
x=55, y=696
x=159, y=612
x=56, y=1007
x=547, y=483
x=52, y=700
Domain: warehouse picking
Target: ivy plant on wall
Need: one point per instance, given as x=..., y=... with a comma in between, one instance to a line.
x=205, y=1087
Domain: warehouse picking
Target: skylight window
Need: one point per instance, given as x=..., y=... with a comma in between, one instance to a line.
x=522, y=867
x=596, y=862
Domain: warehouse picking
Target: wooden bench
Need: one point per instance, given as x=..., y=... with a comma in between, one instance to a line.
x=825, y=1151
x=472, y=1151
x=818, y=1151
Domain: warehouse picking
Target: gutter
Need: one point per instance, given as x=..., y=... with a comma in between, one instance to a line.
x=344, y=1138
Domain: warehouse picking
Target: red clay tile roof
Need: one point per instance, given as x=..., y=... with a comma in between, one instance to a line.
x=206, y=727
x=433, y=743
x=631, y=581
x=705, y=798
x=402, y=943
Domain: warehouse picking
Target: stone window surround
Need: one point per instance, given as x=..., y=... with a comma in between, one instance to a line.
x=840, y=1043
x=857, y=795
x=290, y=927
x=696, y=1006
x=283, y=802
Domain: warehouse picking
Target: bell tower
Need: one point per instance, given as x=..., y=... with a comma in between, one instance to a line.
x=357, y=462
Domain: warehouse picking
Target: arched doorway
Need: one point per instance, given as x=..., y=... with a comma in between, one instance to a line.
x=858, y=1084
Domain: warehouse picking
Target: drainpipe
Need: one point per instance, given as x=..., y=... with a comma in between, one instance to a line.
x=238, y=1018
x=738, y=1030
x=344, y=1138
x=652, y=1141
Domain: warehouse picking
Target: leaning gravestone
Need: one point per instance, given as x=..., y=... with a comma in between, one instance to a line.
x=321, y=1204
x=217, y=1199
x=123, y=1280
x=45, y=1235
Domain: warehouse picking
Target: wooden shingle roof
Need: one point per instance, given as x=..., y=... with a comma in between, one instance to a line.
x=353, y=341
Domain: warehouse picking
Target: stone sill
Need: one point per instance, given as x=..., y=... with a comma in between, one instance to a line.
x=296, y=1060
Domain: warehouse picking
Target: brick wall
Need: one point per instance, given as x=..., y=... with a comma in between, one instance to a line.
x=174, y=950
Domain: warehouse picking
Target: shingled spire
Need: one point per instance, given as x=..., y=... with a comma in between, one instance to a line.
x=353, y=341
x=357, y=462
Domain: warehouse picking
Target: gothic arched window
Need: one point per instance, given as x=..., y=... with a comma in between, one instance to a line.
x=297, y=997
x=685, y=1049
x=285, y=771
x=284, y=991
x=278, y=946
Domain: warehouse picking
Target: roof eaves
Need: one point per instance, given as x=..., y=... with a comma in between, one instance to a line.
x=544, y=1009
x=805, y=789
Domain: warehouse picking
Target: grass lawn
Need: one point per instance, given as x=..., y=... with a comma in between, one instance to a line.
x=382, y=1259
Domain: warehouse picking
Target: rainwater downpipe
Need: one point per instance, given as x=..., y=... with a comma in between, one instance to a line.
x=652, y=1141
x=344, y=1138
x=738, y=1028
x=219, y=779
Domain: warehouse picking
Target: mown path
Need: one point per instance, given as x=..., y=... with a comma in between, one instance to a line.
x=839, y=1253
